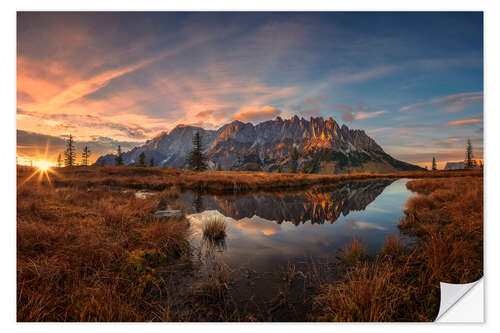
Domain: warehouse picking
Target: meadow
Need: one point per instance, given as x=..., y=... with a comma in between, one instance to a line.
x=89, y=250
x=159, y=179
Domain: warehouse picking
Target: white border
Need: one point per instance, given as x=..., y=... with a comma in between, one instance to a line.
x=7, y=132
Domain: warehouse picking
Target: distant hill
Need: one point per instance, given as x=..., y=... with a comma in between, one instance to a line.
x=323, y=147
x=461, y=165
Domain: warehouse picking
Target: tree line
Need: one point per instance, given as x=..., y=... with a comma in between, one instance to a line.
x=70, y=155
x=196, y=159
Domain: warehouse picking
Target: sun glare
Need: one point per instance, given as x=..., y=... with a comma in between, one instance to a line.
x=43, y=165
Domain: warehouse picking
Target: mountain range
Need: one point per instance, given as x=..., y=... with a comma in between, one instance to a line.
x=323, y=146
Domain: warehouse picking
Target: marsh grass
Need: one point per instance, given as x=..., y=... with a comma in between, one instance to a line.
x=402, y=283
x=160, y=179
x=88, y=250
x=353, y=253
x=214, y=229
x=93, y=255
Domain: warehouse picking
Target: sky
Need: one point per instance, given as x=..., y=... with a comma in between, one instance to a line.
x=412, y=80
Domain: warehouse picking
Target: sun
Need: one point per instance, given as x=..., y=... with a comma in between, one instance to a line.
x=43, y=165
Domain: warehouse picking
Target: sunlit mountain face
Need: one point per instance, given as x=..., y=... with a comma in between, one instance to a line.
x=412, y=81
x=322, y=147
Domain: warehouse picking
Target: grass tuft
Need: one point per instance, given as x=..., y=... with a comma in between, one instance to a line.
x=214, y=229
x=353, y=253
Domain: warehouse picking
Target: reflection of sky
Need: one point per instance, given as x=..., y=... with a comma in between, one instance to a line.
x=266, y=244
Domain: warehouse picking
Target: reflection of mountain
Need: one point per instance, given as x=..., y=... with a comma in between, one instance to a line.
x=315, y=205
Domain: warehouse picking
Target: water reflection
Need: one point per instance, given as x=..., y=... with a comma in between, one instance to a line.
x=317, y=205
x=257, y=235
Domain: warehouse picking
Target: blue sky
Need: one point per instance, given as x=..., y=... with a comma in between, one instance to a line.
x=413, y=81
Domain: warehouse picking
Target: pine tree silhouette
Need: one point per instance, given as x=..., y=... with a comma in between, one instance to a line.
x=469, y=162
x=434, y=167
x=119, y=156
x=142, y=160
x=69, y=154
x=85, y=156
x=196, y=160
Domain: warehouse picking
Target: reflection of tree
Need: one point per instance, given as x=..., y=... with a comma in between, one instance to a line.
x=198, y=203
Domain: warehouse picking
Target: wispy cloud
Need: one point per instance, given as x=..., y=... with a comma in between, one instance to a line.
x=450, y=103
x=368, y=115
x=364, y=75
x=69, y=122
x=464, y=122
x=350, y=113
x=311, y=106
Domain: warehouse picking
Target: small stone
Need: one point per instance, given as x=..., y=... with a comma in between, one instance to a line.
x=168, y=213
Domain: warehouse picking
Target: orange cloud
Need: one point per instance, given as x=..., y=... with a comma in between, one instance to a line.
x=464, y=122
x=367, y=115
x=266, y=113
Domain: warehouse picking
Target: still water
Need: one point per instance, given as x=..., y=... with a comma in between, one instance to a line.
x=268, y=230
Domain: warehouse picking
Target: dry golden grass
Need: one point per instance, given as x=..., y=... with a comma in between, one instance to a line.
x=353, y=253
x=217, y=181
x=214, y=229
x=89, y=250
x=402, y=284
x=93, y=255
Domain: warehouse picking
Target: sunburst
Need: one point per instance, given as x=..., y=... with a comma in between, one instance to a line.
x=43, y=168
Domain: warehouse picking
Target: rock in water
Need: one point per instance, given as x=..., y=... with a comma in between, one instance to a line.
x=168, y=213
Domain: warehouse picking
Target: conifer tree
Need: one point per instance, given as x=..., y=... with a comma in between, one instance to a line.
x=196, y=160
x=469, y=162
x=434, y=167
x=142, y=160
x=119, y=156
x=59, y=161
x=152, y=162
x=69, y=154
x=85, y=156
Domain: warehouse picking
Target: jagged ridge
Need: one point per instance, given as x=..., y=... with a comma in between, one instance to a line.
x=324, y=147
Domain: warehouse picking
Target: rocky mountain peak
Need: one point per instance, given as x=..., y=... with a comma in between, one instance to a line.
x=323, y=147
